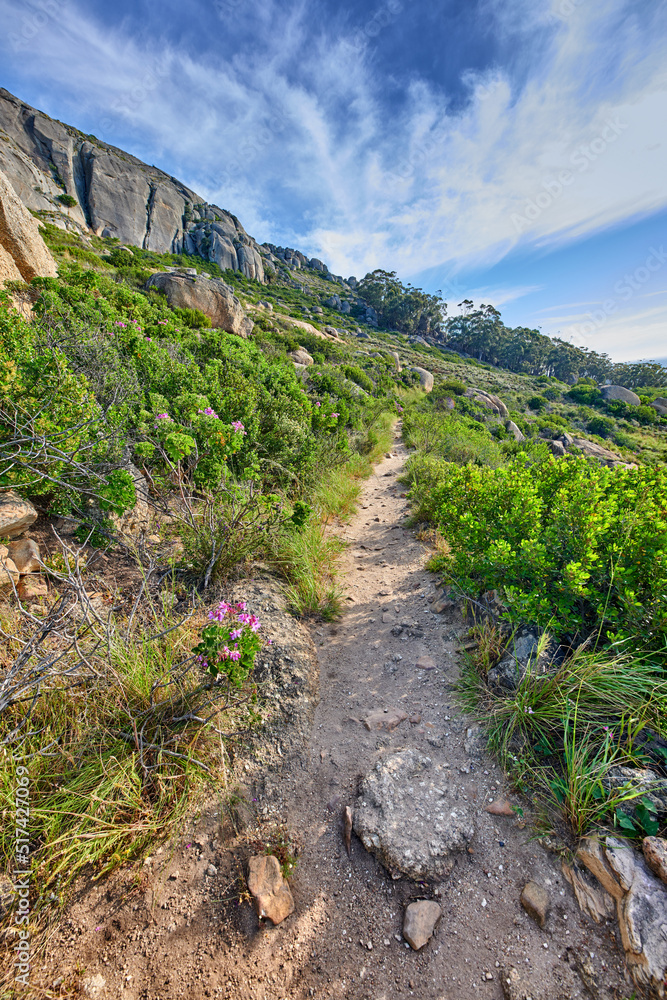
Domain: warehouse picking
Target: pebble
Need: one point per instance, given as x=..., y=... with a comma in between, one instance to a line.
x=535, y=901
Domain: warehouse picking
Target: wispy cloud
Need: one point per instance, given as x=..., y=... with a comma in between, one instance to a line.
x=294, y=132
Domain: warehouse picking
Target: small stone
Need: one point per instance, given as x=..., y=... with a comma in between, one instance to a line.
x=31, y=587
x=174, y=876
x=515, y=987
x=501, y=807
x=419, y=923
x=387, y=617
x=386, y=593
x=25, y=554
x=425, y=663
x=94, y=987
x=211, y=870
x=442, y=605
x=273, y=898
x=655, y=855
x=387, y=718
x=535, y=901
x=415, y=719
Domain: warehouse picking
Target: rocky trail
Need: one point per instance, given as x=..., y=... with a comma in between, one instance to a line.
x=387, y=709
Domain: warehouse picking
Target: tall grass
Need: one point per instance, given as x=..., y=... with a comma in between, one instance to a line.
x=115, y=762
x=561, y=733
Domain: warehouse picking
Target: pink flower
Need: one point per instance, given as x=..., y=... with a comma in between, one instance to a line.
x=318, y=404
x=163, y=322
x=335, y=414
x=234, y=654
x=149, y=339
x=118, y=323
x=238, y=426
x=208, y=412
x=241, y=605
x=236, y=634
x=219, y=613
x=163, y=416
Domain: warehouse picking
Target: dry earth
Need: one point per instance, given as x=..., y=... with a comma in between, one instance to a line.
x=181, y=928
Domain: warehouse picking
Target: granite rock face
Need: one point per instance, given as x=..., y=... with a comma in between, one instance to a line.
x=409, y=815
x=15, y=514
x=425, y=378
x=115, y=194
x=210, y=295
x=20, y=238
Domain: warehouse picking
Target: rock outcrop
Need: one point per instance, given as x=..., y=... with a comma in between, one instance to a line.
x=408, y=815
x=660, y=406
x=89, y=184
x=641, y=908
x=611, y=392
x=489, y=401
x=24, y=253
x=425, y=378
x=210, y=295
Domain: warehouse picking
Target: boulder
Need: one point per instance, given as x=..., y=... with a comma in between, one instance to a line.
x=514, y=431
x=301, y=357
x=419, y=922
x=489, y=401
x=660, y=406
x=20, y=237
x=557, y=448
x=409, y=815
x=510, y=670
x=15, y=514
x=269, y=889
x=425, y=378
x=213, y=297
x=594, y=450
x=611, y=392
x=26, y=555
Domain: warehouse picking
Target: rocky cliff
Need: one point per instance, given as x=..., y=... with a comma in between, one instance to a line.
x=84, y=183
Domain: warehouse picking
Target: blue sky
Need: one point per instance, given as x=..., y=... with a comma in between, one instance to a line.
x=510, y=151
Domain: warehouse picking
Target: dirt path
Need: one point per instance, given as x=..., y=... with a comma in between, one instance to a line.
x=344, y=939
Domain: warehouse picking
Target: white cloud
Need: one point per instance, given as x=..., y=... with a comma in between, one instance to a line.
x=293, y=134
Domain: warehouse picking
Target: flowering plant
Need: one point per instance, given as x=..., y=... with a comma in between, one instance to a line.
x=230, y=643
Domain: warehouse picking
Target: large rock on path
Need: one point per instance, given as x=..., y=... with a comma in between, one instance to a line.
x=210, y=295
x=20, y=239
x=409, y=815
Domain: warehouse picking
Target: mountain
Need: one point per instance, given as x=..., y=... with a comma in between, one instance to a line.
x=80, y=182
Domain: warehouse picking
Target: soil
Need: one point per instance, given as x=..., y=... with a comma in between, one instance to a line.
x=179, y=928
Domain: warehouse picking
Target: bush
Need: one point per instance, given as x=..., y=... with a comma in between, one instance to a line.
x=67, y=200
x=603, y=426
x=195, y=319
x=584, y=393
x=576, y=548
x=536, y=403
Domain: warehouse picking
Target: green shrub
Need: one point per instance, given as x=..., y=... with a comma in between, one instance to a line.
x=585, y=393
x=603, y=426
x=195, y=319
x=536, y=403
x=67, y=200
x=576, y=548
